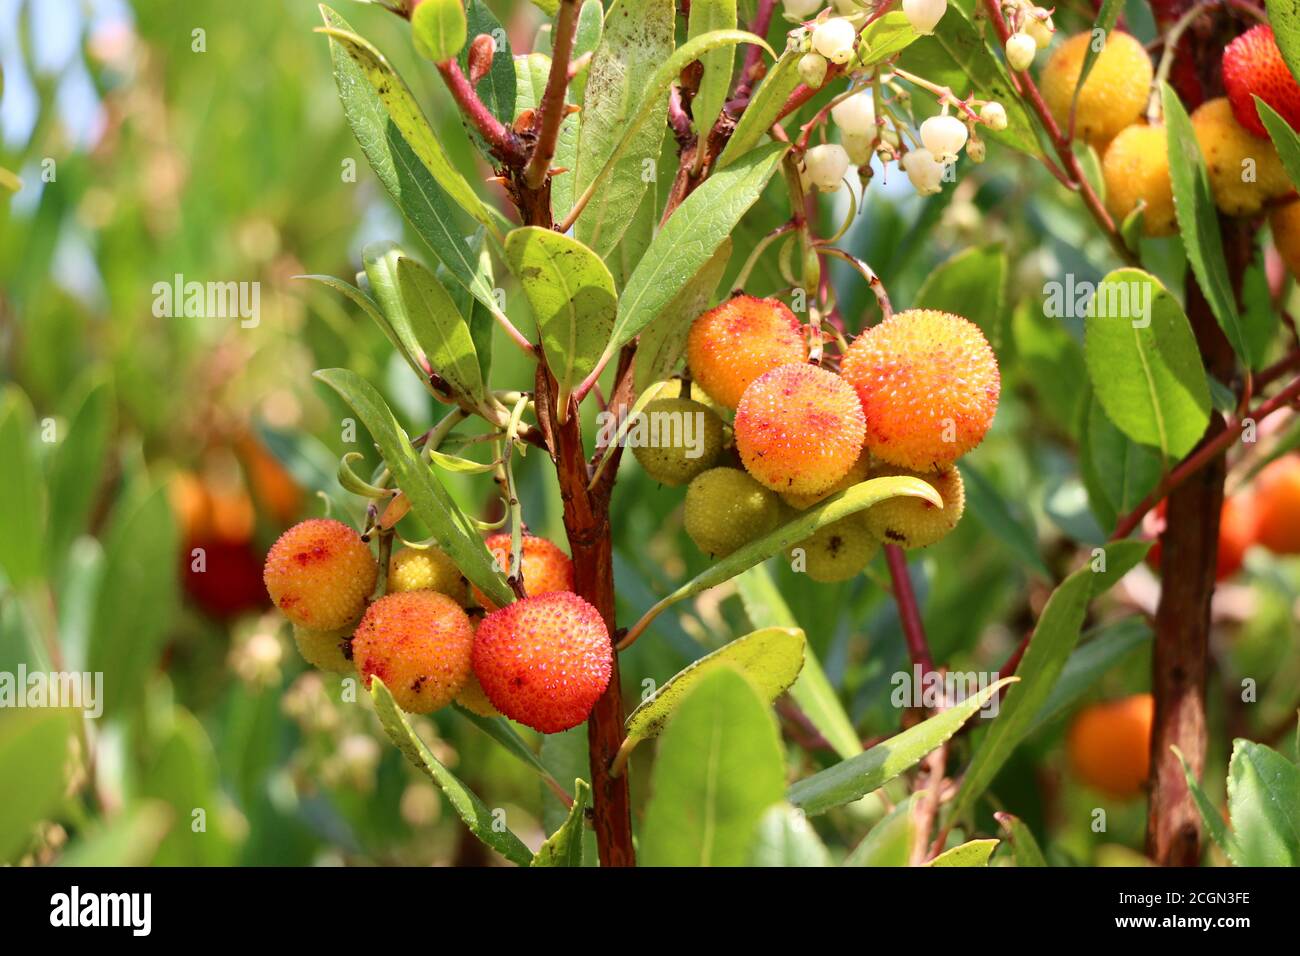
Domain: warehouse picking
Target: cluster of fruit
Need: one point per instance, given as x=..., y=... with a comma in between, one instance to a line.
x=1244, y=169
x=543, y=660
x=911, y=395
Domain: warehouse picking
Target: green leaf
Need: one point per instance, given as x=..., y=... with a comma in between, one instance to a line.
x=441, y=331
x=137, y=596
x=689, y=239
x=1105, y=22
x=464, y=801
x=1118, y=471
x=855, y=499
x=1284, y=138
x=1144, y=364
x=883, y=38
x=974, y=853
x=763, y=109
x=500, y=730
x=718, y=769
x=1210, y=816
x=1119, y=559
x=972, y=284
x=812, y=692
x=890, y=841
x=497, y=88
x=1198, y=220
x=1106, y=648
x=1024, y=848
x=22, y=492
x=455, y=533
x=663, y=340
x=1052, y=361
x=715, y=81
x=9, y=181
x=379, y=259
x=1264, y=805
x=770, y=658
x=76, y=466
x=1054, y=638
x=34, y=752
x=785, y=838
x=856, y=777
x=637, y=39
x=991, y=510
x=1285, y=20
x=439, y=29
x=531, y=74
x=572, y=295
x=132, y=839
x=564, y=846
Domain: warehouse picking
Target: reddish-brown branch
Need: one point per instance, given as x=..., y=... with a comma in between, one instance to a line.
x=553, y=99
x=752, y=69
x=505, y=143
x=909, y=614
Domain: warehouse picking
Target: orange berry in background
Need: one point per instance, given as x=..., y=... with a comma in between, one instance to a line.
x=542, y=565
x=1114, y=94
x=1109, y=745
x=799, y=429
x=319, y=573
x=190, y=505
x=1238, y=524
x=276, y=491
x=419, y=643
x=731, y=345
x=1230, y=152
x=1277, y=502
x=1284, y=221
x=1136, y=169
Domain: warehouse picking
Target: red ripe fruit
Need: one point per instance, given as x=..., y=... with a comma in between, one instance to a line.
x=1253, y=66
x=544, y=661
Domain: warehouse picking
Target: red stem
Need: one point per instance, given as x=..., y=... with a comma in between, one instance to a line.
x=557, y=84
x=505, y=144
x=908, y=612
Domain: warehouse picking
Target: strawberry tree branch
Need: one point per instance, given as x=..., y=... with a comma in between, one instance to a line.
x=553, y=99
x=908, y=611
x=505, y=143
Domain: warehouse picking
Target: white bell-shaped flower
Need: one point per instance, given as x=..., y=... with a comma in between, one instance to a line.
x=834, y=38
x=944, y=136
x=1020, y=51
x=826, y=165
x=924, y=15
x=924, y=171
x=856, y=115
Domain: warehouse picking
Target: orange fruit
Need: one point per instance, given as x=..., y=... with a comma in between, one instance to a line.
x=1109, y=745
x=1277, y=504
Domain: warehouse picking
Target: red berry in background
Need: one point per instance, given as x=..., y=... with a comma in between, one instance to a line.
x=230, y=581
x=1253, y=65
x=1238, y=529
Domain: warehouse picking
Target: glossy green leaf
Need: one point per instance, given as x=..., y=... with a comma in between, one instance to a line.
x=1215, y=825
x=718, y=770
x=379, y=259
x=22, y=491
x=1284, y=138
x=854, y=778
x=476, y=815
x=974, y=853
x=531, y=74
x=891, y=840
x=1099, y=651
x=1024, y=848
x=441, y=331
x=34, y=747
x=766, y=607
x=763, y=109
x=715, y=80
x=1144, y=365
x=972, y=284
x=454, y=531
x=1264, y=805
x=1054, y=638
x=770, y=658
x=1105, y=22
x=662, y=342
x=564, y=846
x=438, y=29
x=785, y=838
x=1284, y=17
x=572, y=295
x=884, y=37
x=76, y=466
x=1117, y=471
x=1119, y=559
x=1198, y=220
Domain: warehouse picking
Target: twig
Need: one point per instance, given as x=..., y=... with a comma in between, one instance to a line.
x=873, y=281
x=557, y=84
x=908, y=612
x=504, y=142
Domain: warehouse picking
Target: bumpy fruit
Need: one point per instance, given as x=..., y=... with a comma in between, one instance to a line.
x=928, y=383
x=1253, y=66
x=543, y=567
x=319, y=573
x=1115, y=93
x=1245, y=171
x=731, y=345
x=836, y=552
x=1109, y=745
x=472, y=698
x=1285, y=224
x=427, y=569
x=1136, y=168
x=329, y=650
x=799, y=429
x=914, y=522
x=687, y=440
x=1277, y=499
x=726, y=509
x=544, y=661
x=419, y=643
x=860, y=472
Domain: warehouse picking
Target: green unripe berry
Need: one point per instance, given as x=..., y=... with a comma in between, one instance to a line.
x=914, y=522
x=836, y=552
x=325, y=649
x=726, y=509
x=427, y=569
x=680, y=438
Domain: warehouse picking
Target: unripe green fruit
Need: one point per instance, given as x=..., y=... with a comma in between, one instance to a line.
x=726, y=509
x=682, y=438
x=836, y=552
x=427, y=569
x=325, y=649
x=914, y=522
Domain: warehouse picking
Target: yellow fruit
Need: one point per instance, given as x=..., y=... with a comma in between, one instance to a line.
x=1245, y=171
x=726, y=509
x=675, y=439
x=914, y=522
x=836, y=552
x=319, y=573
x=329, y=650
x=419, y=643
x=799, y=428
x=542, y=566
x=928, y=383
x=1116, y=90
x=730, y=346
x=858, y=473
x=473, y=699
x=427, y=569
x=1285, y=223
x=1136, y=167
